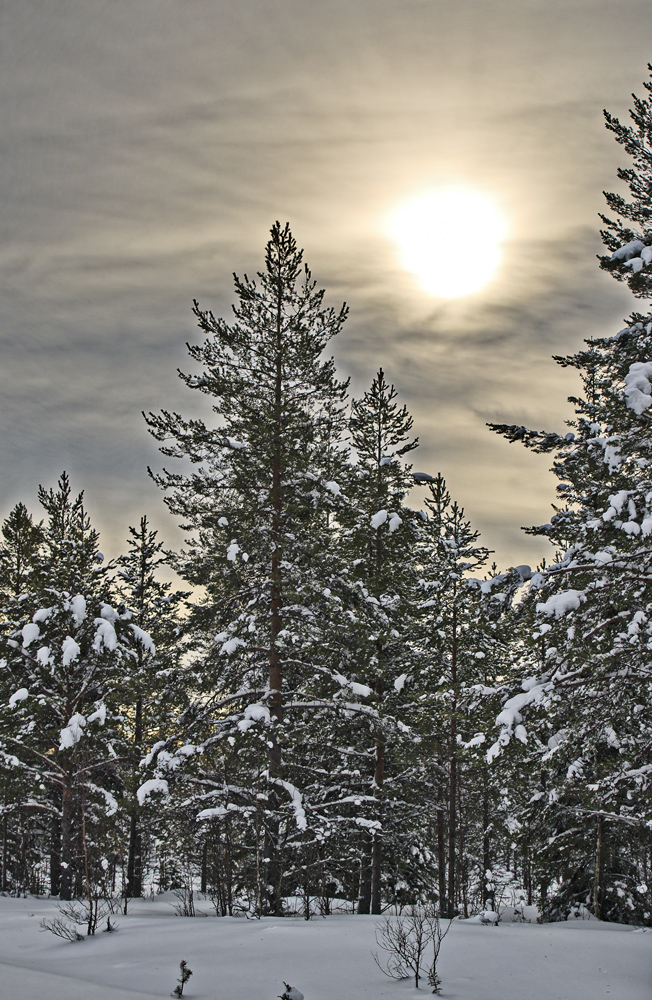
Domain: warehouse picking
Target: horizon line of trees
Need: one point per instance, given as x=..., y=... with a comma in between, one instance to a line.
x=320, y=722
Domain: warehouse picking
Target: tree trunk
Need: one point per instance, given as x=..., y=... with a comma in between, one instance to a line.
x=489, y=892
x=5, y=850
x=55, y=856
x=441, y=854
x=598, y=879
x=66, y=882
x=377, y=838
x=135, y=851
x=364, y=900
x=452, y=792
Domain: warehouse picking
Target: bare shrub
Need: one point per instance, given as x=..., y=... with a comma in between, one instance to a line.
x=406, y=940
x=186, y=905
x=80, y=913
x=61, y=928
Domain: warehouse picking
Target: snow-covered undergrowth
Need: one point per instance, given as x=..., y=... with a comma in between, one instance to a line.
x=327, y=959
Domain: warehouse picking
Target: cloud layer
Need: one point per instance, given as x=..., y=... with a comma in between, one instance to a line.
x=148, y=146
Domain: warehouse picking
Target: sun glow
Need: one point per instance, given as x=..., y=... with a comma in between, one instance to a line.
x=450, y=240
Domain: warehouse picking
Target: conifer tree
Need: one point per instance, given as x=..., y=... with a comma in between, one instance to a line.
x=258, y=506
x=586, y=665
x=19, y=552
x=378, y=532
x=584, y=670
x=628, y=235
x=457, y=634
x=22, y=540
x=151, y=691
x=65, y=649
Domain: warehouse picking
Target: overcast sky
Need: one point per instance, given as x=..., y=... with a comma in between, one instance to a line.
x=149, y=145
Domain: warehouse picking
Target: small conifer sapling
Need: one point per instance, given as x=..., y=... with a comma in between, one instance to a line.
x=185, y=974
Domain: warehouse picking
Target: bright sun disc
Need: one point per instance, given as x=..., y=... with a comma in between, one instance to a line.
x=451, y=240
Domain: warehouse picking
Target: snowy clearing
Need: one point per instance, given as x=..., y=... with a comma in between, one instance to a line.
x=327, y=959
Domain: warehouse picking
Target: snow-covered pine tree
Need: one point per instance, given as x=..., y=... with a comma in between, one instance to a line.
x=629, y=235
x=377, y=537
x=22, y=540
x=462, y=649
x=66, y=649
x=585, y=672
x=258, y=505
x=19, y=551
x=153, y=689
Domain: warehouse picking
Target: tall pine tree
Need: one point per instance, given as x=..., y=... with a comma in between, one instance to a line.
x=258, y=505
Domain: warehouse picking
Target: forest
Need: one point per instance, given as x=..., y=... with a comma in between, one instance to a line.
x=348, y=706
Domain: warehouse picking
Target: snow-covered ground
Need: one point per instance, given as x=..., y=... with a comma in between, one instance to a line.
x=327, y=959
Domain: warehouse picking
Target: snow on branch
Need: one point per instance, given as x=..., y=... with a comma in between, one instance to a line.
x=296, y=799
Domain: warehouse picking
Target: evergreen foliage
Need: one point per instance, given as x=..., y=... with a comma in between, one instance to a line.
x=629, y=235
x=313, y=724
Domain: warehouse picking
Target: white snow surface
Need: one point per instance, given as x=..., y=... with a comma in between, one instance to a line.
x=395, y=522
x=638, y=391
x=78, y=608
x=232, y=550
x=69, y=651
x=73, y=732
x=144, y=638
x=378, y=519
x=321, y=958
x=105, y=635
x=30, y=633
x=20, y=695
x=560, y=604
x=628, y=250
x=149, y=786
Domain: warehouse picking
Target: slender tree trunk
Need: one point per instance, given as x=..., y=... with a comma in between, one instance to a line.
x=134, y=860
x=441, y=853
x=273, y=872
x=66, y=882
x=598, y=879
x=543, y=895
x=377, y=839
x=135, y=850
x=228, y=868
x=462, y=872
x=4, y=883
x=527, y=873
x=55, y=855
x=489, y=892
x=452, y=801
x=364, y=900
x=204, y=866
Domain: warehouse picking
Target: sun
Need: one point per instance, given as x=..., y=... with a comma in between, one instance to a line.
x=450, y=240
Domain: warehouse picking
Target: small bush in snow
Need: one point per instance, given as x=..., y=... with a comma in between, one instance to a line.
x=406, y=940
x=185, y=974
x=186, y=904
x=290, y=993
x=61, y=928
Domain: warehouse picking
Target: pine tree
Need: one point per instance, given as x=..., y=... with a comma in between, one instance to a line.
x=629, y=235
x=258, y=504
x=19, y=552
x=22, y=540
x=65, y=650
x=151, y=690
x=585, y=645
x=589, y=622
x=378, y=533
x=460, y=634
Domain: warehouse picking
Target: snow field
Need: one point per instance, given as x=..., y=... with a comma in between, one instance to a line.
x=327, y=959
